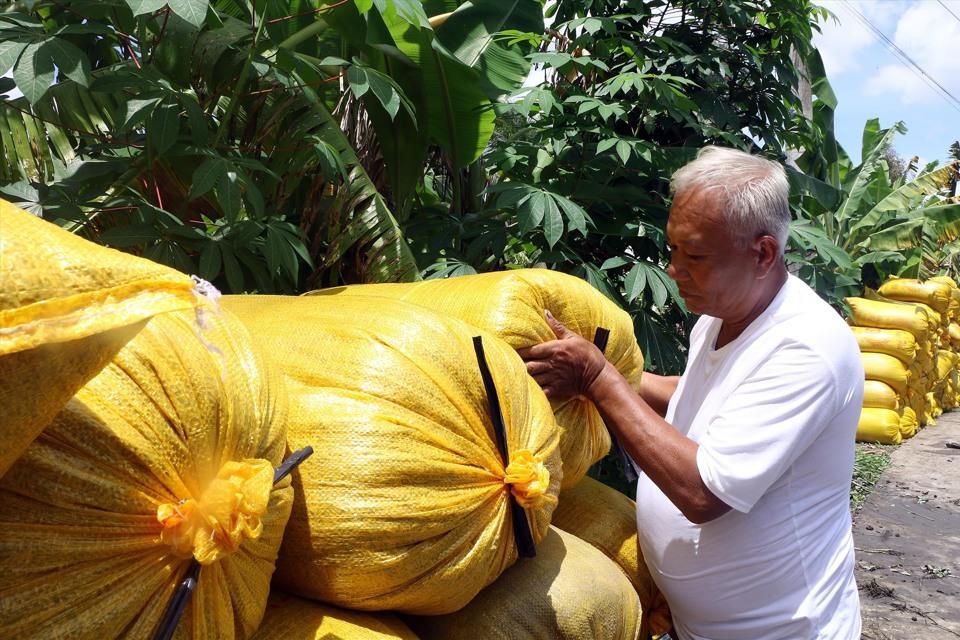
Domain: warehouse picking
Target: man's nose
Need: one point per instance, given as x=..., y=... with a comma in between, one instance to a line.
x=675, y=270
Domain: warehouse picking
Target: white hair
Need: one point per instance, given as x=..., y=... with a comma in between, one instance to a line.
x=756, y=191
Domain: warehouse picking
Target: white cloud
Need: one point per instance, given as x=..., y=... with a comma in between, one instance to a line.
x=842, y=42
x=927, y=33
x=897, y=79
x=883, y=13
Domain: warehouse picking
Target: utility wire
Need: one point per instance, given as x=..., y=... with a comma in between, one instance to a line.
x=902, y=55
x=905, y=59
x=949, y=10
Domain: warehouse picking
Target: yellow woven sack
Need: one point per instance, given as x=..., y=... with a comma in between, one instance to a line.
x=900, y=344
x=954, y=332
x=880, y=395
x=886, y=315
x=66, y=307
x=933, y=294
x=933, y=408
x=937, y=323
x=953, y=384
x=289, y=618
x=916, y=400
x=947, y=280
x=946, y=362
x=570, y=591
x=165, y=457
x=607, y=519
x=953, y=311
x=908, y=423
x=879, y=425
x=405, y=504
x=510, y=304
x=886, y=369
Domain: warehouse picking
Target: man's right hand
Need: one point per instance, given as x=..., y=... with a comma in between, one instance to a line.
x=565, y=367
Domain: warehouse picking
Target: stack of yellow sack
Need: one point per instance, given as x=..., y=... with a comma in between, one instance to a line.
x=143, y=428
x=949, y=385
x=403, y=507
x=909, y=336
x=935, y=298
x=510, y=305
x=162, y=460
x=891, y=338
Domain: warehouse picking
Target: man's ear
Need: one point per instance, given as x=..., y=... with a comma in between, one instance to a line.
x=768, y=253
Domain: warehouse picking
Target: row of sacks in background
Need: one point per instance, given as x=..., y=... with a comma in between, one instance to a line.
x=149, y=447
x=909, y=340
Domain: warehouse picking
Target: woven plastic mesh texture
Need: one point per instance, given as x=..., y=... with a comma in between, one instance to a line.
x=66, y=307
x=290, y=618
x=570, y=591
x=403, y=504
x=81, y=554
x=510, y=304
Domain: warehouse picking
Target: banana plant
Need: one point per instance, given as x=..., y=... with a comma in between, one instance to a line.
x=886, y=227
x=454, y=72
x=210, y=134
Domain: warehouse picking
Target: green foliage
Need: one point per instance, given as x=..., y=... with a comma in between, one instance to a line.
x=265, y=146
x=578, y=171
x=868, y=227
x=279, y=146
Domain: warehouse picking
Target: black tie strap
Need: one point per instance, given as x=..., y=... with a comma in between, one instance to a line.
x=521, y=525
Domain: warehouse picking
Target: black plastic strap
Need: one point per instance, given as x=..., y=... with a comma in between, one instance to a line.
x=292, y=462
x=521, y=525
x=181, y=597
x=600, y=339
x=171, y=618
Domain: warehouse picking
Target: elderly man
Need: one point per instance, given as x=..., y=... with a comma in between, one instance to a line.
x=746, y=459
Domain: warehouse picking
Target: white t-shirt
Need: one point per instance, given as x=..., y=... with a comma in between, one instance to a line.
x=775, y=414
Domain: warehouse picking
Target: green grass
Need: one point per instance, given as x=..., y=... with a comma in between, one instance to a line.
x=870, y=462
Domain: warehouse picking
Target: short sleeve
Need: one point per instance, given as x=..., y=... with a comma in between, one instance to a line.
x=765, y=424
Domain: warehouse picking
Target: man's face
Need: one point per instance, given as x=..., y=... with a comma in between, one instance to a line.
x=714, y=275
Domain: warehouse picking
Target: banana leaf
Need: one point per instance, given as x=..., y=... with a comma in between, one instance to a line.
x=905, y=197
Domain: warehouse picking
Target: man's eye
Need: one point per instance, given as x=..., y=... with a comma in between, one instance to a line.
x=694, y=258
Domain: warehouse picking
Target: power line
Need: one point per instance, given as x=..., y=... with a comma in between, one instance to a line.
x=905, y=59
x=949, y=10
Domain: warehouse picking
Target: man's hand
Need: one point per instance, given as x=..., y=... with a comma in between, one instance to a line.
x=571, y=365
x=565, y=367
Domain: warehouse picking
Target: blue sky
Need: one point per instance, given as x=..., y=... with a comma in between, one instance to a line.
x=870, y=81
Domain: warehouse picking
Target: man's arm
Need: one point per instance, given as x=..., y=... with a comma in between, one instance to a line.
x=668, y=457
x=571, y=365
x=656, y=391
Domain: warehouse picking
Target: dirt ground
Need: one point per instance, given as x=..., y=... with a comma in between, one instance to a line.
x=907, y=536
